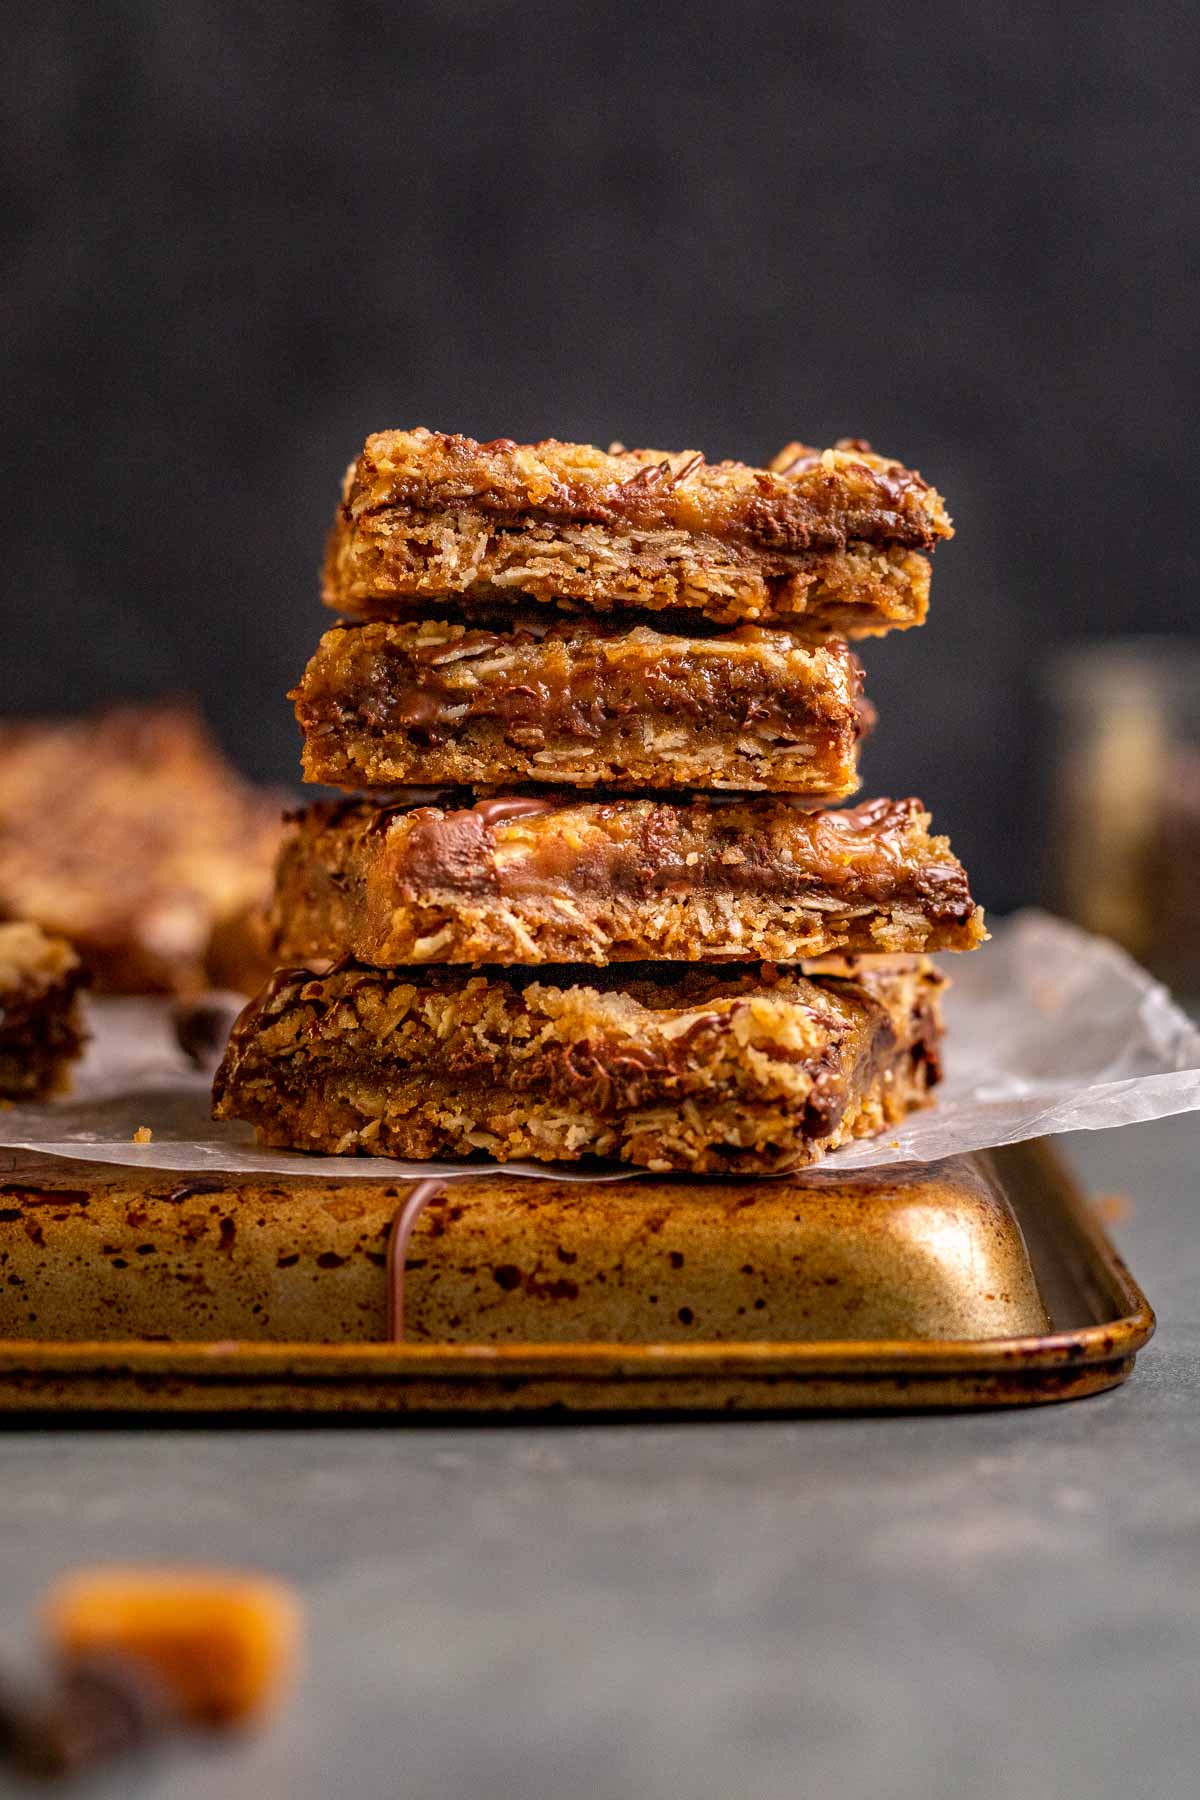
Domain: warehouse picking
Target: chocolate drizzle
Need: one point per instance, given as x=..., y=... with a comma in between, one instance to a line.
x=804, y=458
x=648, y=476
x=688, y=468
x=403, y=1225
x=519, y=806
x=201, y=1184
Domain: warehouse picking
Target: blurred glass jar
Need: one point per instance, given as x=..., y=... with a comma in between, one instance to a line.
x=1124, y=812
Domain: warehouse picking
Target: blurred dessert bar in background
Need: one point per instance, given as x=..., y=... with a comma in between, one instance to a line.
x=128, y=833
x=41, y=1032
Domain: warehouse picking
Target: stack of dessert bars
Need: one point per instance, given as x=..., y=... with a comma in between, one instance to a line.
x=596, y=898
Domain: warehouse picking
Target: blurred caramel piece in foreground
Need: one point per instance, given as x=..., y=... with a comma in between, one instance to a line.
x=225, y=1645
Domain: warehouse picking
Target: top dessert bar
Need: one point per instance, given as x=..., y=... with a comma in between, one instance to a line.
x=829, y=542
x=129, y=834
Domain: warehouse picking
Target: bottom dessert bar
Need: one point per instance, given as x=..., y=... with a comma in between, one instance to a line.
x=41, y=1033
x=672, y=1069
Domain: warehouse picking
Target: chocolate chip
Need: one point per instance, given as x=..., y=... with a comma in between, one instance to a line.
x=202, y=1027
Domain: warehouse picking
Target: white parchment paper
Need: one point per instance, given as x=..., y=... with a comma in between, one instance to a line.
x=1048, y=1030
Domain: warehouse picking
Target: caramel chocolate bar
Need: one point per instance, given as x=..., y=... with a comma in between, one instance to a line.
x=220, y=1647
x=693, y=1069
x=41, y=1032
x=527, y=880
x=830, y=542
x=128, y=833
x=583, y=702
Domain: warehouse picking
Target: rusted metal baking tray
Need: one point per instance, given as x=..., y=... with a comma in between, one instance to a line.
x=979, y=1282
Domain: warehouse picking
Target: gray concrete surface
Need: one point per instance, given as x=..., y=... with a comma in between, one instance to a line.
x=992, y=1605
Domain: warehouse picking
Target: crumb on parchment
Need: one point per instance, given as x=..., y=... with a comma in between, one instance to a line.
x=142, y=1135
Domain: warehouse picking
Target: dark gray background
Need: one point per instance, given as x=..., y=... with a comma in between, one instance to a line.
x=237, y=238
